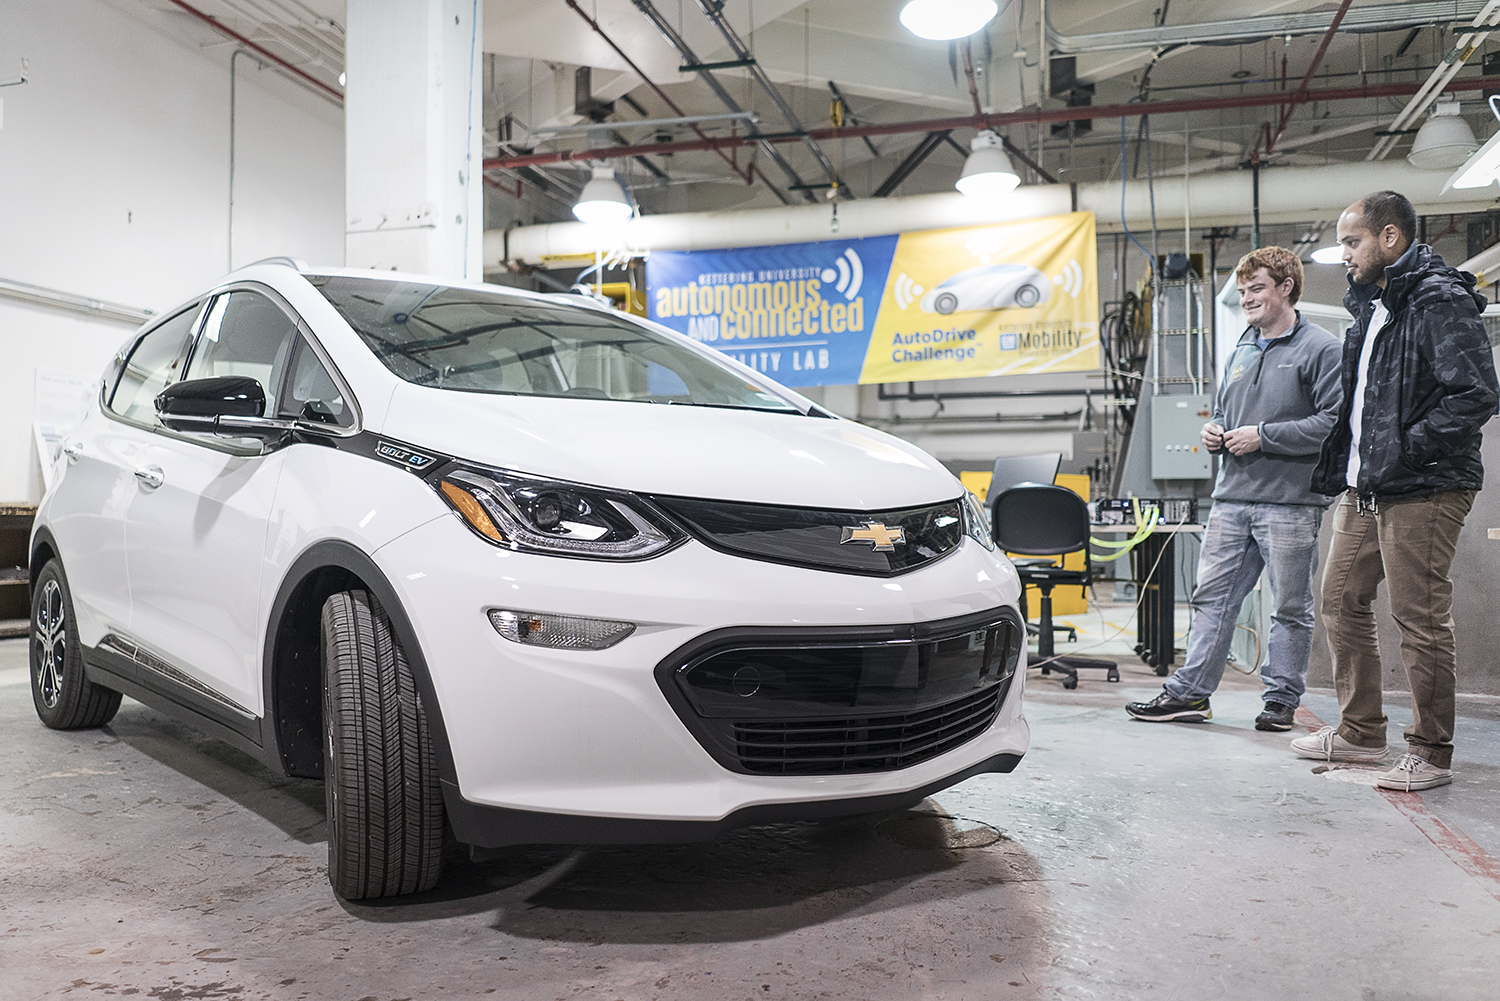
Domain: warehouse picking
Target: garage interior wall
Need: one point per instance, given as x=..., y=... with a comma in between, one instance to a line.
x=114, y=183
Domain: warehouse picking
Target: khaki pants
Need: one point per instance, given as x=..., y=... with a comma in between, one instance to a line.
x=1410, y=545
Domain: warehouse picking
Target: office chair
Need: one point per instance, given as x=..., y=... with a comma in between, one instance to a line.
x=1011, y=470
x=1039, y=519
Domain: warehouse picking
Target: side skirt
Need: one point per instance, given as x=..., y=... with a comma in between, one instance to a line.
x=110, y=664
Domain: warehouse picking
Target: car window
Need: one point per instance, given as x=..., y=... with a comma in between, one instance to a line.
x=244, y=334
x=311, y=393
x=155, y=364
x=493, y=342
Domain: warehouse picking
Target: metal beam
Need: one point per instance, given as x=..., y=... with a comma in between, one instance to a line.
x=1386, y=17
x=677, y=42
x=714, y=11
x=913, y=160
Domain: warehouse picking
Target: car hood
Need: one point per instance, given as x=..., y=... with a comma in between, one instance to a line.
x=741, y=455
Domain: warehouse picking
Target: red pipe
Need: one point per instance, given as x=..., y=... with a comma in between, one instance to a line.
x=1301, y=95
x=990, y=121
x=214, y=24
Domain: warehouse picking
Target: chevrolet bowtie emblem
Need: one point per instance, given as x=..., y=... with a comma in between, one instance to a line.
x=885, y=539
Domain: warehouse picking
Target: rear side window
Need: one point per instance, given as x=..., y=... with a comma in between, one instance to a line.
x=245, y=334
x=155, y=364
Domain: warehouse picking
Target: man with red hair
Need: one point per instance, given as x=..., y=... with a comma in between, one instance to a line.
x=1275, y=405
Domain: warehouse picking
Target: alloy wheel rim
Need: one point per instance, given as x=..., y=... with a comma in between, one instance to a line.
x=51, y=644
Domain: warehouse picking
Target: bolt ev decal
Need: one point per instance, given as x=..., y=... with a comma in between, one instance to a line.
x=403, y=456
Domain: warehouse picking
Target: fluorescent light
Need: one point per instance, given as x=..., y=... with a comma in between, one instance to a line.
x=1479, y=169
x=942, y=20
x=1328, y=255
x=987, y=172
x=602, y=200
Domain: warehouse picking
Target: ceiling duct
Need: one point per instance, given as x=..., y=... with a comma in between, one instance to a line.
x=1298, y=194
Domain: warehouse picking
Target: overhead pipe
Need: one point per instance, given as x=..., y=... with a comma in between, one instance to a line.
x=1385, y=17
x=714, y=11
x=223, y=29
x=1286, y=194
x=993, y=121
x=604, y=154
x=679, y=43
x=1317, y=59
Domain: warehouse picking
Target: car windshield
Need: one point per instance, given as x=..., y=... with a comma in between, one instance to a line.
x=489, y=342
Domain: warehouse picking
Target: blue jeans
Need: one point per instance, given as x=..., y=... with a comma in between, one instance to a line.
x=1240, y=541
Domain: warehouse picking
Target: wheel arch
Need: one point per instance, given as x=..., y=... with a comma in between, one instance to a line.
x=293, y=674
x=43, y=548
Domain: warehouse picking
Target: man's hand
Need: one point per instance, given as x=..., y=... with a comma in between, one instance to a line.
x=1242, y=440
x=1213, y=437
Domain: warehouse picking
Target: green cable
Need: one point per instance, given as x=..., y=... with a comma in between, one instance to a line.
x=1142, y=531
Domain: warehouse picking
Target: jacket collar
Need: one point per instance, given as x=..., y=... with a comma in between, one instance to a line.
x=1399, y=278
x=1251, y=333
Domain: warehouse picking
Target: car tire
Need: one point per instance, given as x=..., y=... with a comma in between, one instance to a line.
x=64, y=698
x=1028, y=296
x=385, y=804
x=945, y=303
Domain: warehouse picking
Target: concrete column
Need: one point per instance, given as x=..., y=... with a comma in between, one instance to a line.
x=413, y=137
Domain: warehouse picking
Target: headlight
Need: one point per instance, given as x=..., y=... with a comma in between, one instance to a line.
x=558, y=518
x=977, y=522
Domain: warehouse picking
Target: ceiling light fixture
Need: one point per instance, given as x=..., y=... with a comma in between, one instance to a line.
x=943, y=20
x=1483, y=166
x=1328, y=255
x=1444, y=140
x=602, y=200
x=987, y=172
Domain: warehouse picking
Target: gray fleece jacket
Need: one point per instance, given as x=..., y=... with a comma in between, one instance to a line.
x=1291, y=392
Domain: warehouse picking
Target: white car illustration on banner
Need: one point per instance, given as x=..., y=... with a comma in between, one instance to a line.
x=990, y=286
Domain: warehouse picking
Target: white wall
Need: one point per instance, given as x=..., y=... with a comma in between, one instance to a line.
x=114, y=182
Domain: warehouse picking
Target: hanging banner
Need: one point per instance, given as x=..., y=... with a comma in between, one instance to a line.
x=1004, y=299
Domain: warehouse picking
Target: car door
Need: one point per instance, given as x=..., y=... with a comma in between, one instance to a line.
x=195, y=530
x=87, y=507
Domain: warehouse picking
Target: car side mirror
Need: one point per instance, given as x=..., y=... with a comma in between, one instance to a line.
x=230, y=405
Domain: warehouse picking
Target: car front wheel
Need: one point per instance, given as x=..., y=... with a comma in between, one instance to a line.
x=1028, y=296
x=64, y=698
x=385, y=804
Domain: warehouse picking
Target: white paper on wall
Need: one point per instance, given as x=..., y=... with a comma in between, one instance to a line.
x=62, y=400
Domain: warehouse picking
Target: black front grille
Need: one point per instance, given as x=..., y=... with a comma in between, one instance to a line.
x=874, y=543
x=830, y=701
x=863, y=744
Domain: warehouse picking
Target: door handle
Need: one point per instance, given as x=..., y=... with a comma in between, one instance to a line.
x=73, y=450
x=151, y=476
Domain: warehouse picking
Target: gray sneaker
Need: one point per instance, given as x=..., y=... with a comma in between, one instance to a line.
x=1413, y=772
x=1327, y=745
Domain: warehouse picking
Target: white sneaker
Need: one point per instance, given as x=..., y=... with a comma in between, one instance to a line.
x=1413, y=772
x=1327, y=745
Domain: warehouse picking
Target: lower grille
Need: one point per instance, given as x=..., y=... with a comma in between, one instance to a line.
x=863, y=744
x=843, y=700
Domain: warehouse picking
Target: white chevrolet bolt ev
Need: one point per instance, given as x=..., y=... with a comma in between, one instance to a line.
x=516, y=562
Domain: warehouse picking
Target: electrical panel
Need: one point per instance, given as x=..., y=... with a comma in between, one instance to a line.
x=1177, y=451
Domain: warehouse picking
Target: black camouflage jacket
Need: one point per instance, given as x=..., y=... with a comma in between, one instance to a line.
x=1431, y=385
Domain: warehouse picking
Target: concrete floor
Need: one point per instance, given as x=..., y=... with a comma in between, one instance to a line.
x=1121, y=860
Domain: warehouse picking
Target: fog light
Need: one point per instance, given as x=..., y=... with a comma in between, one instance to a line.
x=562, y=632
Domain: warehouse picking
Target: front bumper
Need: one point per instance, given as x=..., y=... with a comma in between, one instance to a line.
x=573, y=746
